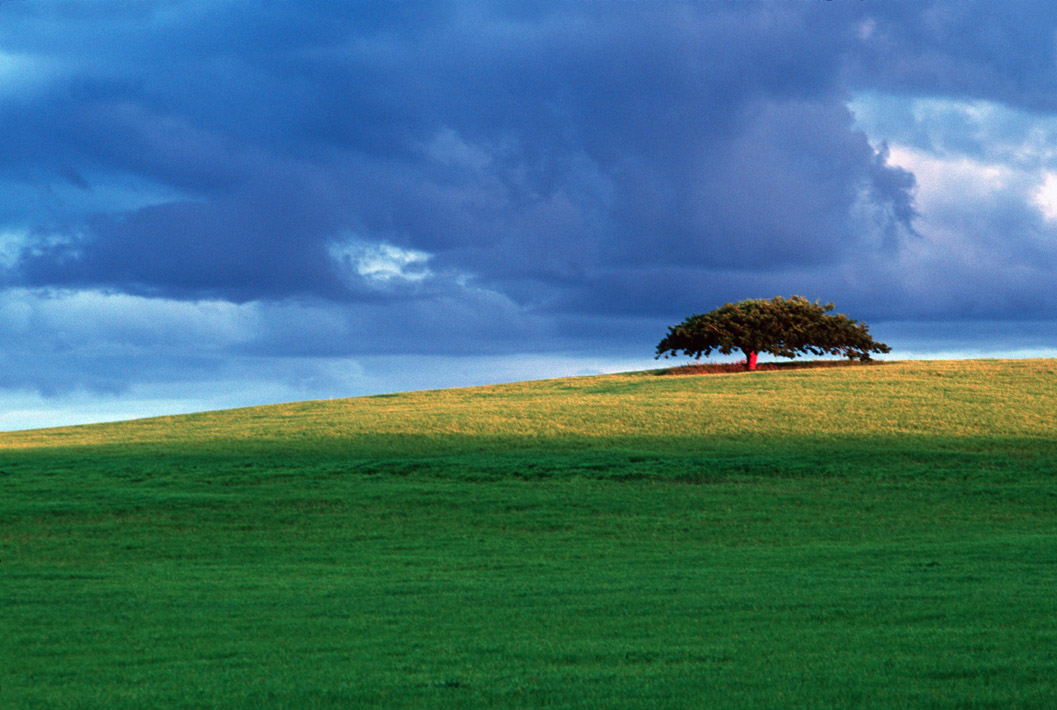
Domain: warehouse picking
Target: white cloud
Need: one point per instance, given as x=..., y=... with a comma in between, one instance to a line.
x=984, y=131
x=1046, y=196
x=943, y=178
x=966, y=155
x=106, y=320
x=380, y=263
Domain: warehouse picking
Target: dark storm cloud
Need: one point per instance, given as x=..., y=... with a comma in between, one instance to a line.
x=537, y=149
x=565, y=160
x=240, y=247
x=1001, y=51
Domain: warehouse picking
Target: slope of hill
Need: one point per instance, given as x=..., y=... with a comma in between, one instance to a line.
x=547, y=424
x=869, y=536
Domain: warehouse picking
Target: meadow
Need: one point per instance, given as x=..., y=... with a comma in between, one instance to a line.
x=875, y=536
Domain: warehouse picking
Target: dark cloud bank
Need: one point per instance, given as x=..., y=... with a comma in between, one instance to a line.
x=377, y=178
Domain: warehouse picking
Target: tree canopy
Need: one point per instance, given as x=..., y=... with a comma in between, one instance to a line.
x=785, y=327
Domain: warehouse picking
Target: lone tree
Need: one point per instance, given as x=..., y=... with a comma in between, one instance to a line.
x=779, y=326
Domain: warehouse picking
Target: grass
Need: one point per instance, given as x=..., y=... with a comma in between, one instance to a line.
x=844, y=537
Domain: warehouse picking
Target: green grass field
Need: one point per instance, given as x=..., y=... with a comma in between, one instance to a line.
x=879, y=536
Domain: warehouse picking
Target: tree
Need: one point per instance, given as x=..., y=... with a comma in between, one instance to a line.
x=780, y=326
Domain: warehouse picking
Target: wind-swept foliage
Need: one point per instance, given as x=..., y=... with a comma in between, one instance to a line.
x=785, y=327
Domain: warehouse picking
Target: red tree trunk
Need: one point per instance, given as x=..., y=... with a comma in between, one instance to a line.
x=750, y=360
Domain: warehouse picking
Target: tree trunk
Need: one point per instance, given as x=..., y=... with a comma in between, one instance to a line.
x=750, y=360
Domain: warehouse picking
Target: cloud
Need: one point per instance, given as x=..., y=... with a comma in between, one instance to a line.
x=529, y=149
x=996, y=51
x=1046, y=196
x=380, y=264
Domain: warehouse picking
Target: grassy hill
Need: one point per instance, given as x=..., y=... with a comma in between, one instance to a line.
x=860, y=536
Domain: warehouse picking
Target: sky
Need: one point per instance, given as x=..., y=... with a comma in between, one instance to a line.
x=216, y=203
